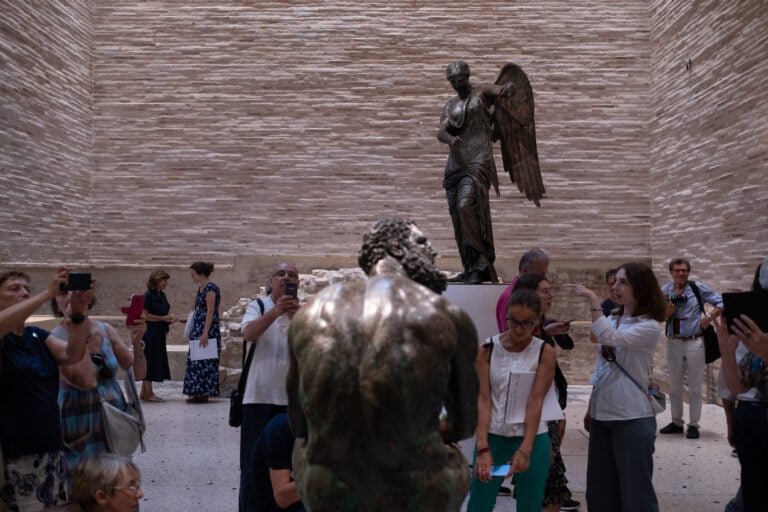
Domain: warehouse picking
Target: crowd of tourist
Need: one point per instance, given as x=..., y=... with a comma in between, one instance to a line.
x=66, y=373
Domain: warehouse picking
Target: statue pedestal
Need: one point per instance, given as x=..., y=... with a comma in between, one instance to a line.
x=479, y=302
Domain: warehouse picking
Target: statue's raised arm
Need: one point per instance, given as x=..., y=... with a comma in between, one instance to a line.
x=515, y=128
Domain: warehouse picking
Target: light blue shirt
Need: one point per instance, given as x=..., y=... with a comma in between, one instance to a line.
x=614, y=395
x=687, y=318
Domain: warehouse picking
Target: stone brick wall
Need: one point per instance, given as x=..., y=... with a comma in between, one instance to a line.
x=258, y=128
x=45, y=130
x=709, y=138
x=237, y=131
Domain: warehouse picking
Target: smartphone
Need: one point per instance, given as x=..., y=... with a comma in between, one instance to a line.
x=754, y=304
x=134, y=309
x=78, y=281
x=292, y=289
x=500, y=470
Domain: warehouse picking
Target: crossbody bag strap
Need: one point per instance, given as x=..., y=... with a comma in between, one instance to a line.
x=247, y=359
x=695, y=290
x=630, y=377
x=246, y=368
x=261, y=308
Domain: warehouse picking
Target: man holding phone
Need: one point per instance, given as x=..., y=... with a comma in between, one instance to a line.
x=265, y=330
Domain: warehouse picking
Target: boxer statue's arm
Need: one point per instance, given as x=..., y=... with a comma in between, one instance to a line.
x=461, y=401
x=296, y=416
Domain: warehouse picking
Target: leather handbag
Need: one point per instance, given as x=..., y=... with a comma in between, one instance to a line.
x=711, y=346
x=124, y=430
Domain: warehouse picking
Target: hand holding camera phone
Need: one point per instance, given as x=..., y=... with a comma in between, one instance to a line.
x=77, y=281
x=292, y=289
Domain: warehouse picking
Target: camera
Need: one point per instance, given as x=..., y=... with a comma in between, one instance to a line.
x=77, y=281
x=677, y=299
x=292, y=289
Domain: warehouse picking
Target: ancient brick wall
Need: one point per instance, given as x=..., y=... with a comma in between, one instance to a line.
x=236, y=131
x=709, y=138
x=45, y=130
x=257, y=128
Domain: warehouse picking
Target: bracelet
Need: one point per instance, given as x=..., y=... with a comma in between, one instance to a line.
x=527, y=454
x=596, y=309
x=483, y=450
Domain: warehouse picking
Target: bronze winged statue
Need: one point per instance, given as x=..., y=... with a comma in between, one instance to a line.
x=471, y=121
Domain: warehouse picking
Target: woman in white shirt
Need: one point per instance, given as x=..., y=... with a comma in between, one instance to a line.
x=509, y=427
x=620, y=420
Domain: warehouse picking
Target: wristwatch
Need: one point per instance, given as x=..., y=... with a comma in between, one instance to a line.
x=77, y=318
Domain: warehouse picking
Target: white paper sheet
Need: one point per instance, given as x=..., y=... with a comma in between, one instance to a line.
x=520, y=385
x=198, y=353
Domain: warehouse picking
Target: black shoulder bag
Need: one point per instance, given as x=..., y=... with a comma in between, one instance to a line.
x=711, y=347
x=236, y=398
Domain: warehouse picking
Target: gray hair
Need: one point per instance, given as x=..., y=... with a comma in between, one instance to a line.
x=98, y=473
x=530, y=257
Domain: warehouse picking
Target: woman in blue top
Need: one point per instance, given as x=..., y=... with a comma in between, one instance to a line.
x=35, y=469
x=84, y=384
x=201, y=378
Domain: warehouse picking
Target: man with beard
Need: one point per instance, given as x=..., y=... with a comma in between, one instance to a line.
x=372, y=364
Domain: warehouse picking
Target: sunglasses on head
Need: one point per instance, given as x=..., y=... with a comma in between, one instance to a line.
x=97, y=358
x=608, y=353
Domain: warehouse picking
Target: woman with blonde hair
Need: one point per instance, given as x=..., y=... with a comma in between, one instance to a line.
x=107, y=483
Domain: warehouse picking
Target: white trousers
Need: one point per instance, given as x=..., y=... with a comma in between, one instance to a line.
x=685, y=357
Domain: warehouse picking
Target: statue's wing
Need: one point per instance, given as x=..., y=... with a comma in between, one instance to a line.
x=514, y=127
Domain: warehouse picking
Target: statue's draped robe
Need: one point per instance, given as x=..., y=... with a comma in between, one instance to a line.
x=469, y=173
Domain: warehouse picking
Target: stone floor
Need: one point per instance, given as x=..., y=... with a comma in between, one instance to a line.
x=191, y=461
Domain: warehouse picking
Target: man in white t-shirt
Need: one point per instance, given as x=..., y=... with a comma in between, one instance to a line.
x=265, y=324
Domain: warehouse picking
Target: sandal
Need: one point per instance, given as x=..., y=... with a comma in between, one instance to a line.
x=153, y=398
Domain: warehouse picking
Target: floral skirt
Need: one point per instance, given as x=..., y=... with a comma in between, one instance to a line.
x=201, y=378
x=37, y=481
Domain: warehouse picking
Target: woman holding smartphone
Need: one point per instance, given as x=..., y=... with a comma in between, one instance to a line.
x=513, y=434
x=35, y=467
x=557, y=496
x=201, y=378
x=85, y=383
x=620, y=418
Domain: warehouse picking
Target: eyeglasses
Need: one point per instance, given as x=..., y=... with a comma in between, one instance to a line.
x=97, y=358
x=133, y=489
x=525, y=324
x=608, y=353
x=546, y=291
x=680, y=270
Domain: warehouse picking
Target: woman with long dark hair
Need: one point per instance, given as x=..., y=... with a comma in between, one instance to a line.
x=201, y=378
x=620, y=418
